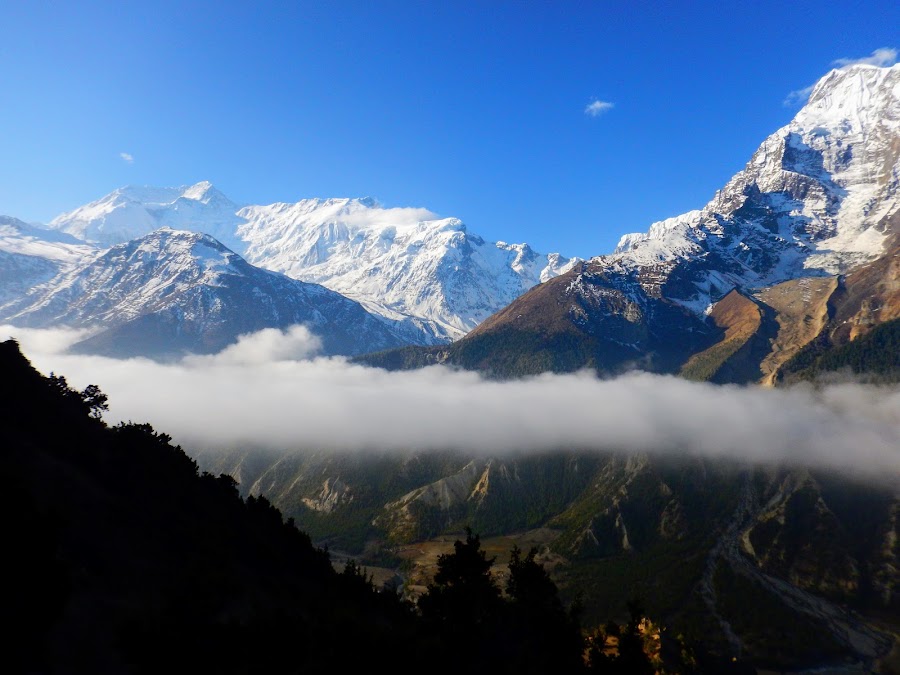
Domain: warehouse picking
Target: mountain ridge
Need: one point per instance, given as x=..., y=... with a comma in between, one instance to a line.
x=819, y=198
x=172, y=292
x=426, y=274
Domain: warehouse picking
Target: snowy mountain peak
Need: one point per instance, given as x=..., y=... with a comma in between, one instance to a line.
x=195, y=248
x=133, y=211
x=813, y=199
x=406, y=264
x=202, y=192
x=852, y=87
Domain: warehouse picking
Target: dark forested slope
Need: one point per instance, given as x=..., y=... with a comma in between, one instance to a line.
x=122, y=558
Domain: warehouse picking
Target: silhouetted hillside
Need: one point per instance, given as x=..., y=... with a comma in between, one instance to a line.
x=122, y=558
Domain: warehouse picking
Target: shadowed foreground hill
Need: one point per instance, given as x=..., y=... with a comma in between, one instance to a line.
x=121, y=558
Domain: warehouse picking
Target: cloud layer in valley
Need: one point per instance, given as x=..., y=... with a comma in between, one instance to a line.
x=257, y=393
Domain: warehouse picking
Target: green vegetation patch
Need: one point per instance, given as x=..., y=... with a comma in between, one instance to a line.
x=875, y=354
x=788, y=638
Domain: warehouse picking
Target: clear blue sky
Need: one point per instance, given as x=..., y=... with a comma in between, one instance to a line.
x=472, y=109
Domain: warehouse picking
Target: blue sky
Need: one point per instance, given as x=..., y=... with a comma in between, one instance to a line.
x=479, y=110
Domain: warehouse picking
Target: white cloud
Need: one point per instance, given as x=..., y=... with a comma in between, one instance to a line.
x=798, y=97
x=597, y=108
x=379, y=216
x=885, y=56
x=127, y=157
x=42, y=341
x=269, y=345
x=240, y=399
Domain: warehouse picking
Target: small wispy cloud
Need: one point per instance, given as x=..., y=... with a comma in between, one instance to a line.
x=798, y=97
x=885, y=56
x=127, y=157
x=597, y=108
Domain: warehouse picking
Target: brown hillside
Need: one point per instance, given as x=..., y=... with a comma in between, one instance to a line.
x=737, y=355
x=801, y=311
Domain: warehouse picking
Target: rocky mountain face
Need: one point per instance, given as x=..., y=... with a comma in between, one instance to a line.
x=172, y=292
x=811, y=223
x=428, y=276
x=814, y=199
x=743, y=556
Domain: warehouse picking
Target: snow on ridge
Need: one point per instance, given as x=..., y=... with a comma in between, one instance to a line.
x=202, y=191
x=404, y=263
x=629, y=241
x=19, y=238
x=812, y=199
x=399, y=262
x=356, y=213
x=133, y=211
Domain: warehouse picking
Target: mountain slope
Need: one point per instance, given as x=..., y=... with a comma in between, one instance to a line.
x=127, y=560
x=819, y=198
x=764, y=562
x=172, y=292
x=405, y=264
x=814, y=198
x=580, y=319
x=429, y=276
x=31, y=255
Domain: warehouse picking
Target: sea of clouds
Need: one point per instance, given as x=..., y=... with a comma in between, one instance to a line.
x=270, y=391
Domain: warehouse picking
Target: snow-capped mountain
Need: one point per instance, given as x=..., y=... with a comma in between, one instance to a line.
x=31, y=255
x=723, y=292
x=405, y=264
x=813, y=199
x=429, y=275
x=132, y=212
x=171, y=292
